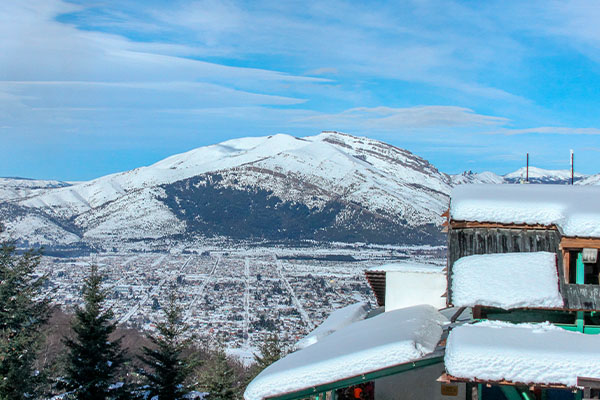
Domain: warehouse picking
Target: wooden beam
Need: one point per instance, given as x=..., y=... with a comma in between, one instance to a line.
x=490, y=225
x=447, y=378
x=446, y=213
x=579, y=243
x=593, y=383
x=566, y=265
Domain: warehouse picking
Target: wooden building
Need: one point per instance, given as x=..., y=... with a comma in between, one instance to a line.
x=497, y=219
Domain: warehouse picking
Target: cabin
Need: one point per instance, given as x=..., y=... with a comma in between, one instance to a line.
x=515, y=314
x=524, y=258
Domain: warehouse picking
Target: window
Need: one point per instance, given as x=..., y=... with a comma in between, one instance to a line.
x=583, y=266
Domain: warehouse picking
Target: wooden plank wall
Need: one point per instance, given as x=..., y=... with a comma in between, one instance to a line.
x=581, y=297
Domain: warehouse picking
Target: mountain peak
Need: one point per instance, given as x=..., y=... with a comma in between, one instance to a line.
x=535, y=172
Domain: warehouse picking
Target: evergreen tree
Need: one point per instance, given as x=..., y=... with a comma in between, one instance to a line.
x=168, y=368
x=219, y=382
x=93, y=360
x=270, y=351
x=23, y=311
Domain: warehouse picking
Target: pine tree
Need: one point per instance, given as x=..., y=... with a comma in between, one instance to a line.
x=270, y=351
x=93, y=359
x=23, y=311
x=168, y=368
x=220, y=379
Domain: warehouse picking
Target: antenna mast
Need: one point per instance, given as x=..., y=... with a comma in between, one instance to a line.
x=572, y=173
x=527, y=173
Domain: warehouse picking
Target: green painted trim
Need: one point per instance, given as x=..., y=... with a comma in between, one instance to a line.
x=343, y=383
x=580, y=321
x=591, y=330
x=510, y=392
x=527, y=395
x=479, y=391
x=580, y=270
x=572, y=328
x=516, y=393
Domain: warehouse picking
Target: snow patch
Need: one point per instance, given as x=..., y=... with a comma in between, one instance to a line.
x=509, y=280
x=525, y=353
x=409, y=266
x=574, y=209
x=337, y=320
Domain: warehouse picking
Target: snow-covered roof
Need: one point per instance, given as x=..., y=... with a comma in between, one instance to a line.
x=408, y=266
x=524, y=353
x=573, y=209
x=386, y=340
x=510, y=280
x=337, y=320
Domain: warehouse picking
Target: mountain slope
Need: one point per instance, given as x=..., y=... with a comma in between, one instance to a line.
x=469, y=178
x=328, y=187
x=539, y=175
x=331, y=186
x=590, y=180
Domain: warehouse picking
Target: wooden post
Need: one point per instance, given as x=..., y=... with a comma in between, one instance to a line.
x=527, y=173
x=572, y=167
x=566, y=264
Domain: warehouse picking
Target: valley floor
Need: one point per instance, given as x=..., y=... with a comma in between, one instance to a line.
x=233, y=296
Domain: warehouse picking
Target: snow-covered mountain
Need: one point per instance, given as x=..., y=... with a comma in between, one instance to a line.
x=330, y=187
x=469, y=177
x=539, y=175
x=16, y=188
x=590, y=180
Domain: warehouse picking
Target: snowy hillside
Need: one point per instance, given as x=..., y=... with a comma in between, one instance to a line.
x=18, y=188
x=590, y=180
x=469, y=177
x=328, y=187
x=331, y=186
x=539, y=175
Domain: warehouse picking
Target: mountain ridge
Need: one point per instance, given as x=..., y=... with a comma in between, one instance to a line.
x=329, y=187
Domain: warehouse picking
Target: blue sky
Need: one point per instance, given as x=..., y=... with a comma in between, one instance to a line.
x=89, y=88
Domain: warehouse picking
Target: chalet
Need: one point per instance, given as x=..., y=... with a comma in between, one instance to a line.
x=524, y=258
x=514, y=315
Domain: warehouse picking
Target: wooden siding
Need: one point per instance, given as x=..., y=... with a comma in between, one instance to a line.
x=581, y=297
x=376, y=280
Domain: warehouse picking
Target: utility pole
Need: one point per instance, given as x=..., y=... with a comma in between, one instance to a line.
x=527, y=173
x=572, y=168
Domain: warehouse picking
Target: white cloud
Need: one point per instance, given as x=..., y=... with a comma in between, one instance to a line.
x=37, y=47
x=551, y=130
x=389, y=119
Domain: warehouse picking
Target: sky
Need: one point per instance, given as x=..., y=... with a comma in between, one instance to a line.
x=89, y=88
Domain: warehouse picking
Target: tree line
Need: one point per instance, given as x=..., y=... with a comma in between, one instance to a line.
x=92, y=363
